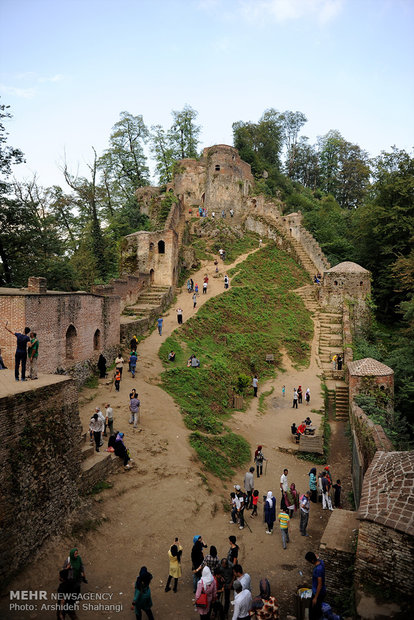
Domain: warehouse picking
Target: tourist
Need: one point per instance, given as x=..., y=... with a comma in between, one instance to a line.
x=133, y=343
x=159, y=325
x=226, y=571
x=213, y=214
x=241, y=505
x=294, y=429
x=302, y=428
x=337, y=496
x=284, y=484
x=223, y=213
x=334, y=360
x=192, y=284
x=216, y=265
x=260, y=243
x=2, y=364
x=196, y=289
x=121, y=450
x=242, y=602
x=211, y=560
x=231, y=212
x=204, y=288
x=283, y=391
x=179, y=316
x=109, y=419
x=76, y=570
x=339, y=362
x=189, y=285
x=318, y=585
x=312, y=485
x=300, y=394
x=295, y=398
x=258, y=459
x=307, y=396
x=233, y=552
x=195, y=362
x=249, y=487
x=242, y=577
x=171, y=356
x=221, y=253
x=264, y=606
x=96, y=425
x=174, y=555
x=142, y=596
x=226, y=281
x=326, y=489
x=328, y=473
x=133, y=363
x=33, y=351
x=284, y=519
x=291, y=497
x=255, y=384
x=119, y=363
x=304, y=513
x=21, y=351
x=206, y=585
x=102, y=366
x=134, y=404
x=67, y=597
x=234, y=503
x=217, y=607
x=270, y=512
x=197, y=558
x=117, y=378
x=133, y=393
x=308, y=421
x=194, y=300
x=255, y=501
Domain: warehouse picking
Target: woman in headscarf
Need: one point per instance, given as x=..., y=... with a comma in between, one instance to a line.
x=142, y=597
x=258, y=459
x=102, y=366
x=76, y=570
x=292, y=499
x=312, y=485
x=270, y=512
x=264, y=606
x=206, y=584
x=174, y=555
x=121, y=450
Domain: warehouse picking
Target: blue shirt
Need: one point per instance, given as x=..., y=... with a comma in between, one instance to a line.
x=318, y=571
x=159, y=321
x=22, y=341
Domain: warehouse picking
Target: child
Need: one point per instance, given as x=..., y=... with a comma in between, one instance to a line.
x=117, y=379
x=255, y=499
x=337, y=496
x=284, y=519
x=196, y=289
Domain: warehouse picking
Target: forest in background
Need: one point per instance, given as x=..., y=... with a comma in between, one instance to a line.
x=358, y=208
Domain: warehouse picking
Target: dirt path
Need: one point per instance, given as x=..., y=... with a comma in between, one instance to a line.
x=163, y=496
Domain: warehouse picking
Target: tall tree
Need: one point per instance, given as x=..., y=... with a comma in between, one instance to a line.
x=260, y=143
x=184, y=133
x=164, y=153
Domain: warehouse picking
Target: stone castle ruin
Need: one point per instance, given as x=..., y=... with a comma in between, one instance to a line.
x=74, y=328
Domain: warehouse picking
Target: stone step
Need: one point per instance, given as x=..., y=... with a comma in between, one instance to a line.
x=87, y=451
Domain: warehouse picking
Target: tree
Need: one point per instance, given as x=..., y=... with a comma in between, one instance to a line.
x=292, y=123
x=303, y=164
x=9, y=155
x=183, y=135
x=164, y=153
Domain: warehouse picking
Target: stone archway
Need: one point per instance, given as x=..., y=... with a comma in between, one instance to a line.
x=71, y=340
x=97, y=340
x=151, y=273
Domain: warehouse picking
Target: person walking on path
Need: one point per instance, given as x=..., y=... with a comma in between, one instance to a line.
x=284, y=487
x=76, y=570
x=307, y=396
x=208, y=586
x=174, y=555
x=249, y=487
x=189, y=285
x=326, y=489
x=159, y=325
x=117, y=378
x=179, y=316
x=291, y=500
x=197, y=558
x=242, y=602
x=295, y=398
x=258, y=459
x=312, y=485
x=2, y=364
x=255, y=384
x=300, y=394
x=134, y=404
x=318, y=585
x=194, y=300
x=339, y=361
x=119, y=363
x=133, y=363
x=226, y=281
x=96, y=426
x=109, y=419
x=134, y=343
x=255, y=501
x=270, y=512
x=33, y=348
x=337, y=497
x=233, y=552
x=283, y=391
x=204, y=287
x=21, y=351
x=304, y=513
x=284, y=519
x=142, y=596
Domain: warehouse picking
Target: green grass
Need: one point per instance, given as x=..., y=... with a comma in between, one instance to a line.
x=221, y=454
x=262, y=397
x=92, y=382
x=231, y=335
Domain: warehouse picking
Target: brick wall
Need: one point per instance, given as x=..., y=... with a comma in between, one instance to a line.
x=12, y=309
x=40, y=457
x=126, y=288
x=384, y=559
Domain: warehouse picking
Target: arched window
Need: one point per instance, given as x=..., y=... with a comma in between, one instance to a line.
x=217, y=167
x=71, y=337
x=161, y=247
x=97, y=340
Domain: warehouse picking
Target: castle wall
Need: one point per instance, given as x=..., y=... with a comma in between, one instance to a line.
x=126, y=288
x=40, y=456
x=189, y=183
x=336, y=287
x=154, y=254
x=228, y=181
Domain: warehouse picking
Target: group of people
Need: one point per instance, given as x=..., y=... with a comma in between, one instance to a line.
x=337, y=362
x=27, y=348
x=297, y=431
x=298, y=396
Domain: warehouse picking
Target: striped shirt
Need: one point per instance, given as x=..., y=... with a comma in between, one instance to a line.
x=283, y=520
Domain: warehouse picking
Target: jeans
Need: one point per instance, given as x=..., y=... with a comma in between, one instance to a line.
x=33, y=368
x=180, y=319
x=97, y=437
x=295, y=403
x=326, y=501
x=304, y=518
x=133, y=369
x=20, y=357
x=259, y=469
x=196, y=579
x=249, y=499
x=117, y=385
x=160, y=329
x=285, y=536
x=134, y=418
x=315, y=611
x=234, y=515
x=254, y=391
x=241, y=516
x=110, y=425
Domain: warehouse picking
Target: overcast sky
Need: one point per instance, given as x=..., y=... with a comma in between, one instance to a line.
x=69, y=67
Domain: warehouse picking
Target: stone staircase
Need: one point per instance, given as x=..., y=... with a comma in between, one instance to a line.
x=342, y=401
x=330, y=342
x=303, y=257
x=309, y=295
x=95, y=466
x=148, y=300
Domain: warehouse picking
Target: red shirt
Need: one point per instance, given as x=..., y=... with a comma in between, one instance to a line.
x=301, y=428
x=255, y=499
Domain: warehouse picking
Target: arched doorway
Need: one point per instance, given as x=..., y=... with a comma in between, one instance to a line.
x=71, y=338
x=161, y=247
x=151, y=276
x=97, y=340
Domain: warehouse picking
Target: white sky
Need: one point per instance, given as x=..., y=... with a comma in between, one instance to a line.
x=69, y=67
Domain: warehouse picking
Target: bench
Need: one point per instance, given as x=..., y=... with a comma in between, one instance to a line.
x=270, y=357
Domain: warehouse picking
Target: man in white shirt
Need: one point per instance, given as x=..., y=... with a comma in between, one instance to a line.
x=242, y=602
x=284, y=485
x=243, y=578
x=97, y=425
x=109, y=419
